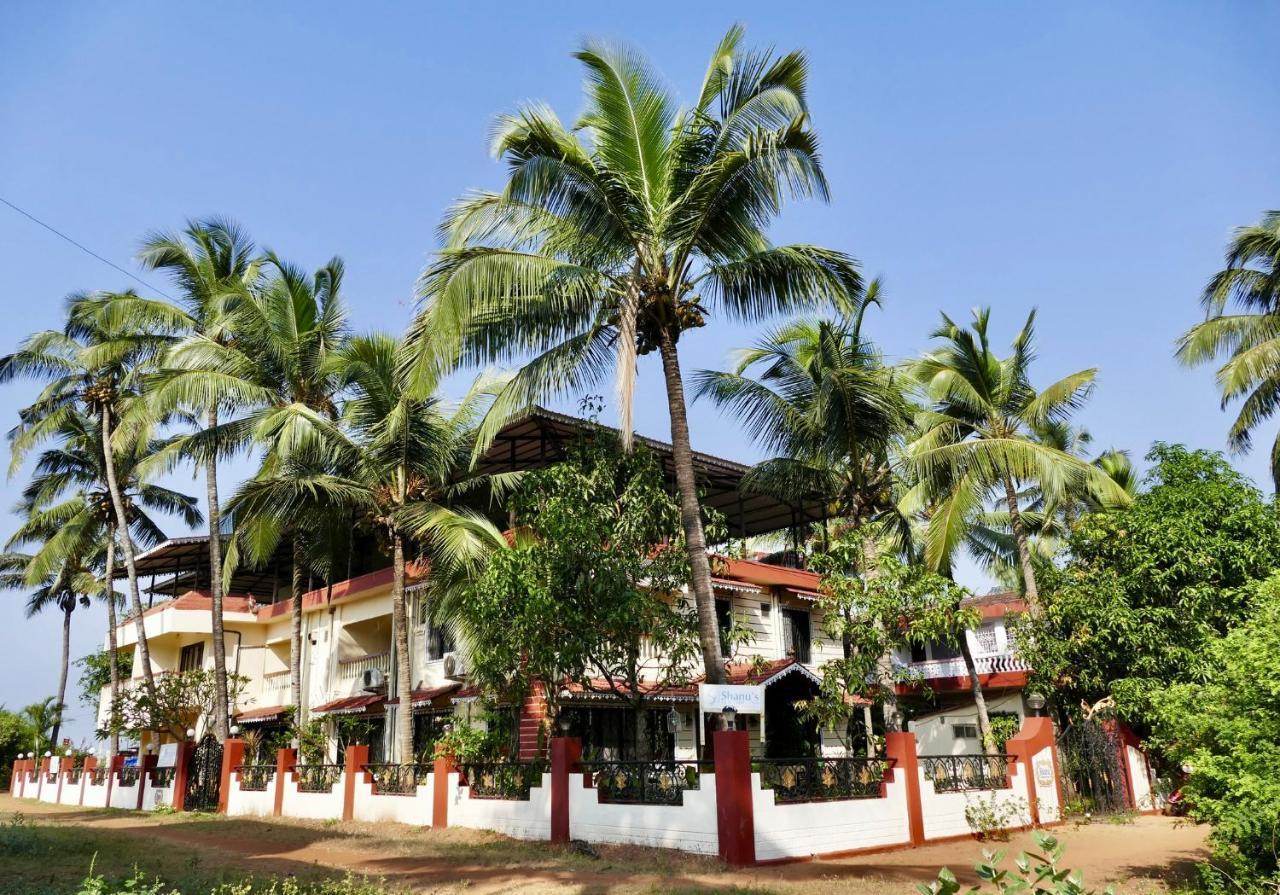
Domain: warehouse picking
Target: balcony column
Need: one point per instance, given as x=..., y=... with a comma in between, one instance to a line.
x=566, y=759
x=735, y=812
x=902, y=748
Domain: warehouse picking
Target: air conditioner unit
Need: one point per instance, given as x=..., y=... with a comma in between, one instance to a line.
x=372, y=680
x=454, y=666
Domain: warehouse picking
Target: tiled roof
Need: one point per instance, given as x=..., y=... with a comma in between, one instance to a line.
x=201, y=600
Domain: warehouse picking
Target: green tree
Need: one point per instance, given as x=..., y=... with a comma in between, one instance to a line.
x=616, y=237
x=1249, y=339
x=40, y=718
x=590, y=589
x=15, y=741
x=1147, y=588
x=978, y=435
x=94, y=365
x=1225, y=726
x=823, y=397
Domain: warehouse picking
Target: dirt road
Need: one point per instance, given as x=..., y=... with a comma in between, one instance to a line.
x=1141, y=856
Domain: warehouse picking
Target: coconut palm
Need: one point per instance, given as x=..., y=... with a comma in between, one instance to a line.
x=214, y=267
x=253, y=364
x=395, y=464
x=1250, y=338
x=616, y=237
x=978, y=436
x=69, y=585
x=68, y=513
x=94, y=365
x=823, y=397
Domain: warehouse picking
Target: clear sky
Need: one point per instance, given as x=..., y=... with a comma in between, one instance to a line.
x=1089, y=159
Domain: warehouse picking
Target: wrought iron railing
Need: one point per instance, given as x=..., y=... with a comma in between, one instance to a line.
x=51, y=777
x=129, y=775
x=958, y=773
x=33, y=776
x=644, y=782
x=823, y=779
x=162, y=777
x=502, y=779
x=255, y=777
x=74, y=776
x=397, y=779
x=317, y=777
x=99, y=775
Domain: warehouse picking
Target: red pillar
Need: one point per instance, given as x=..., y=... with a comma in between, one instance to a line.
x=357, y=758
x=735, y=814
x=566, y=759
x=901, y=747
x=145, y=764
x=181, y=768
x=286, y=761
x=1035, y=735
x=444, y=766
x=232, y=758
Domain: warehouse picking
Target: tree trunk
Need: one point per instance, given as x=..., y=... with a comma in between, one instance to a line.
x=62, y=676
x=221, y=710
x=979, y=700
x=884, y=665
x=295, y=633
x=114, y=658
x=869, y=724
x=404, y=667
x=626, y=384
x=1029, y=589
x=691, y=514
x=126, y=546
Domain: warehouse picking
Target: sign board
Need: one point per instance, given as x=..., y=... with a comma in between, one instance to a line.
x=744, y=699
x=168, y=757
x=1044, y=770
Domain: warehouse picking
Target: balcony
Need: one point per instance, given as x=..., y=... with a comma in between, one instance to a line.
x=276, y=689
x=353, y=669
x=1000, y=663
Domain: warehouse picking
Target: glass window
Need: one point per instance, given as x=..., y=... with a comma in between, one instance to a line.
x=191, y=658
x=439, y=642
x=796, y=637
x=986, y=638
x=724, y=621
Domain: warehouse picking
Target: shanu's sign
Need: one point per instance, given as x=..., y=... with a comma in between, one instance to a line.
x=744, y=699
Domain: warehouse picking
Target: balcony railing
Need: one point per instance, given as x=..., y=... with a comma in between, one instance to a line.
x=276, y=689
x=823, y=779
x=643, y=782
x=355, y=667
x=317, y=777
x=255, y=777
x=503, y=779
x=960, y=773
x=942, y=668
x=397, y=779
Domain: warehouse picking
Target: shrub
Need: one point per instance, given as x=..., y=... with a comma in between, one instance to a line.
x=1035, y=872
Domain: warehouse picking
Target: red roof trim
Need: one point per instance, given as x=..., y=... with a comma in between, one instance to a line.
x=349, y=705
x=764, y=573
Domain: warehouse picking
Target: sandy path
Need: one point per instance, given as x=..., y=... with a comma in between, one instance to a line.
x=1142, y=856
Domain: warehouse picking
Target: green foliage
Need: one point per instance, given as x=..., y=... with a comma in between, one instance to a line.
x=596, y=568
x=1004, y=725
x=141, y=884
x=1226, y=727
x=313, y=740
x=1036, y=873
x=16, y=738
x=1148, y=587
x=874, y=615
x=464, y=742
x=95, y=673
x=991, y=816
x=171, y=705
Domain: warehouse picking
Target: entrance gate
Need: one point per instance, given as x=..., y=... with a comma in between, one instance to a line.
x=204, y=776
x=1094, y=776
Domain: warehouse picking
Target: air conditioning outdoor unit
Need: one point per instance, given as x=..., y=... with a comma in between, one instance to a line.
x=372, y=680
x=454, y=666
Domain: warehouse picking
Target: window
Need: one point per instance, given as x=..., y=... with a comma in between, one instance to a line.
x=439, y=642
x=943, y=651
x=795, y=634
x=919, y=653
x=965, y=731
x=724, y=621
x=986, y=639
x=191, y=658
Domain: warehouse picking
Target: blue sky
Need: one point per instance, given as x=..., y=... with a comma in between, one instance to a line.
x=1088, y=159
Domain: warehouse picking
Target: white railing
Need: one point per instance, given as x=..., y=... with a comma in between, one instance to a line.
x=356, y=666
x=276, y=689
x=939, y=668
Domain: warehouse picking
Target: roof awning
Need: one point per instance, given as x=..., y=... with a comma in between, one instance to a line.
x=799, y=593
x=727, y=584
x=423, y=699
x=351, y=705
x=261, y=715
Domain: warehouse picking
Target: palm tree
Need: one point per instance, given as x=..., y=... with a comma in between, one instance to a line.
x=69, y=514
x=978, y=435
x=394, y=465
x=40, y=718
x=257, y=361
x=66, y=588
x=614, y=238
x=1250, y=338
x=214, y=266
x=94, y=365
x=824, y=398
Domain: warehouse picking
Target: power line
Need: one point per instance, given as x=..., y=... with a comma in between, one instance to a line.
x=85, y=249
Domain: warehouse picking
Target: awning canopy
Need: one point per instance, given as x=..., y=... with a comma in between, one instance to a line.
x=422, y=700
x=261, y=715
x=351, y=705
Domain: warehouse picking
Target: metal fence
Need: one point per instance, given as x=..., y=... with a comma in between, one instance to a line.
x=502, y=779
x=162, y=776
x=823, y=779
x=959, y=773
x=397, y=779
x=129, y=776
x=644, y=782
x=317, y=777
x=255, y=777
